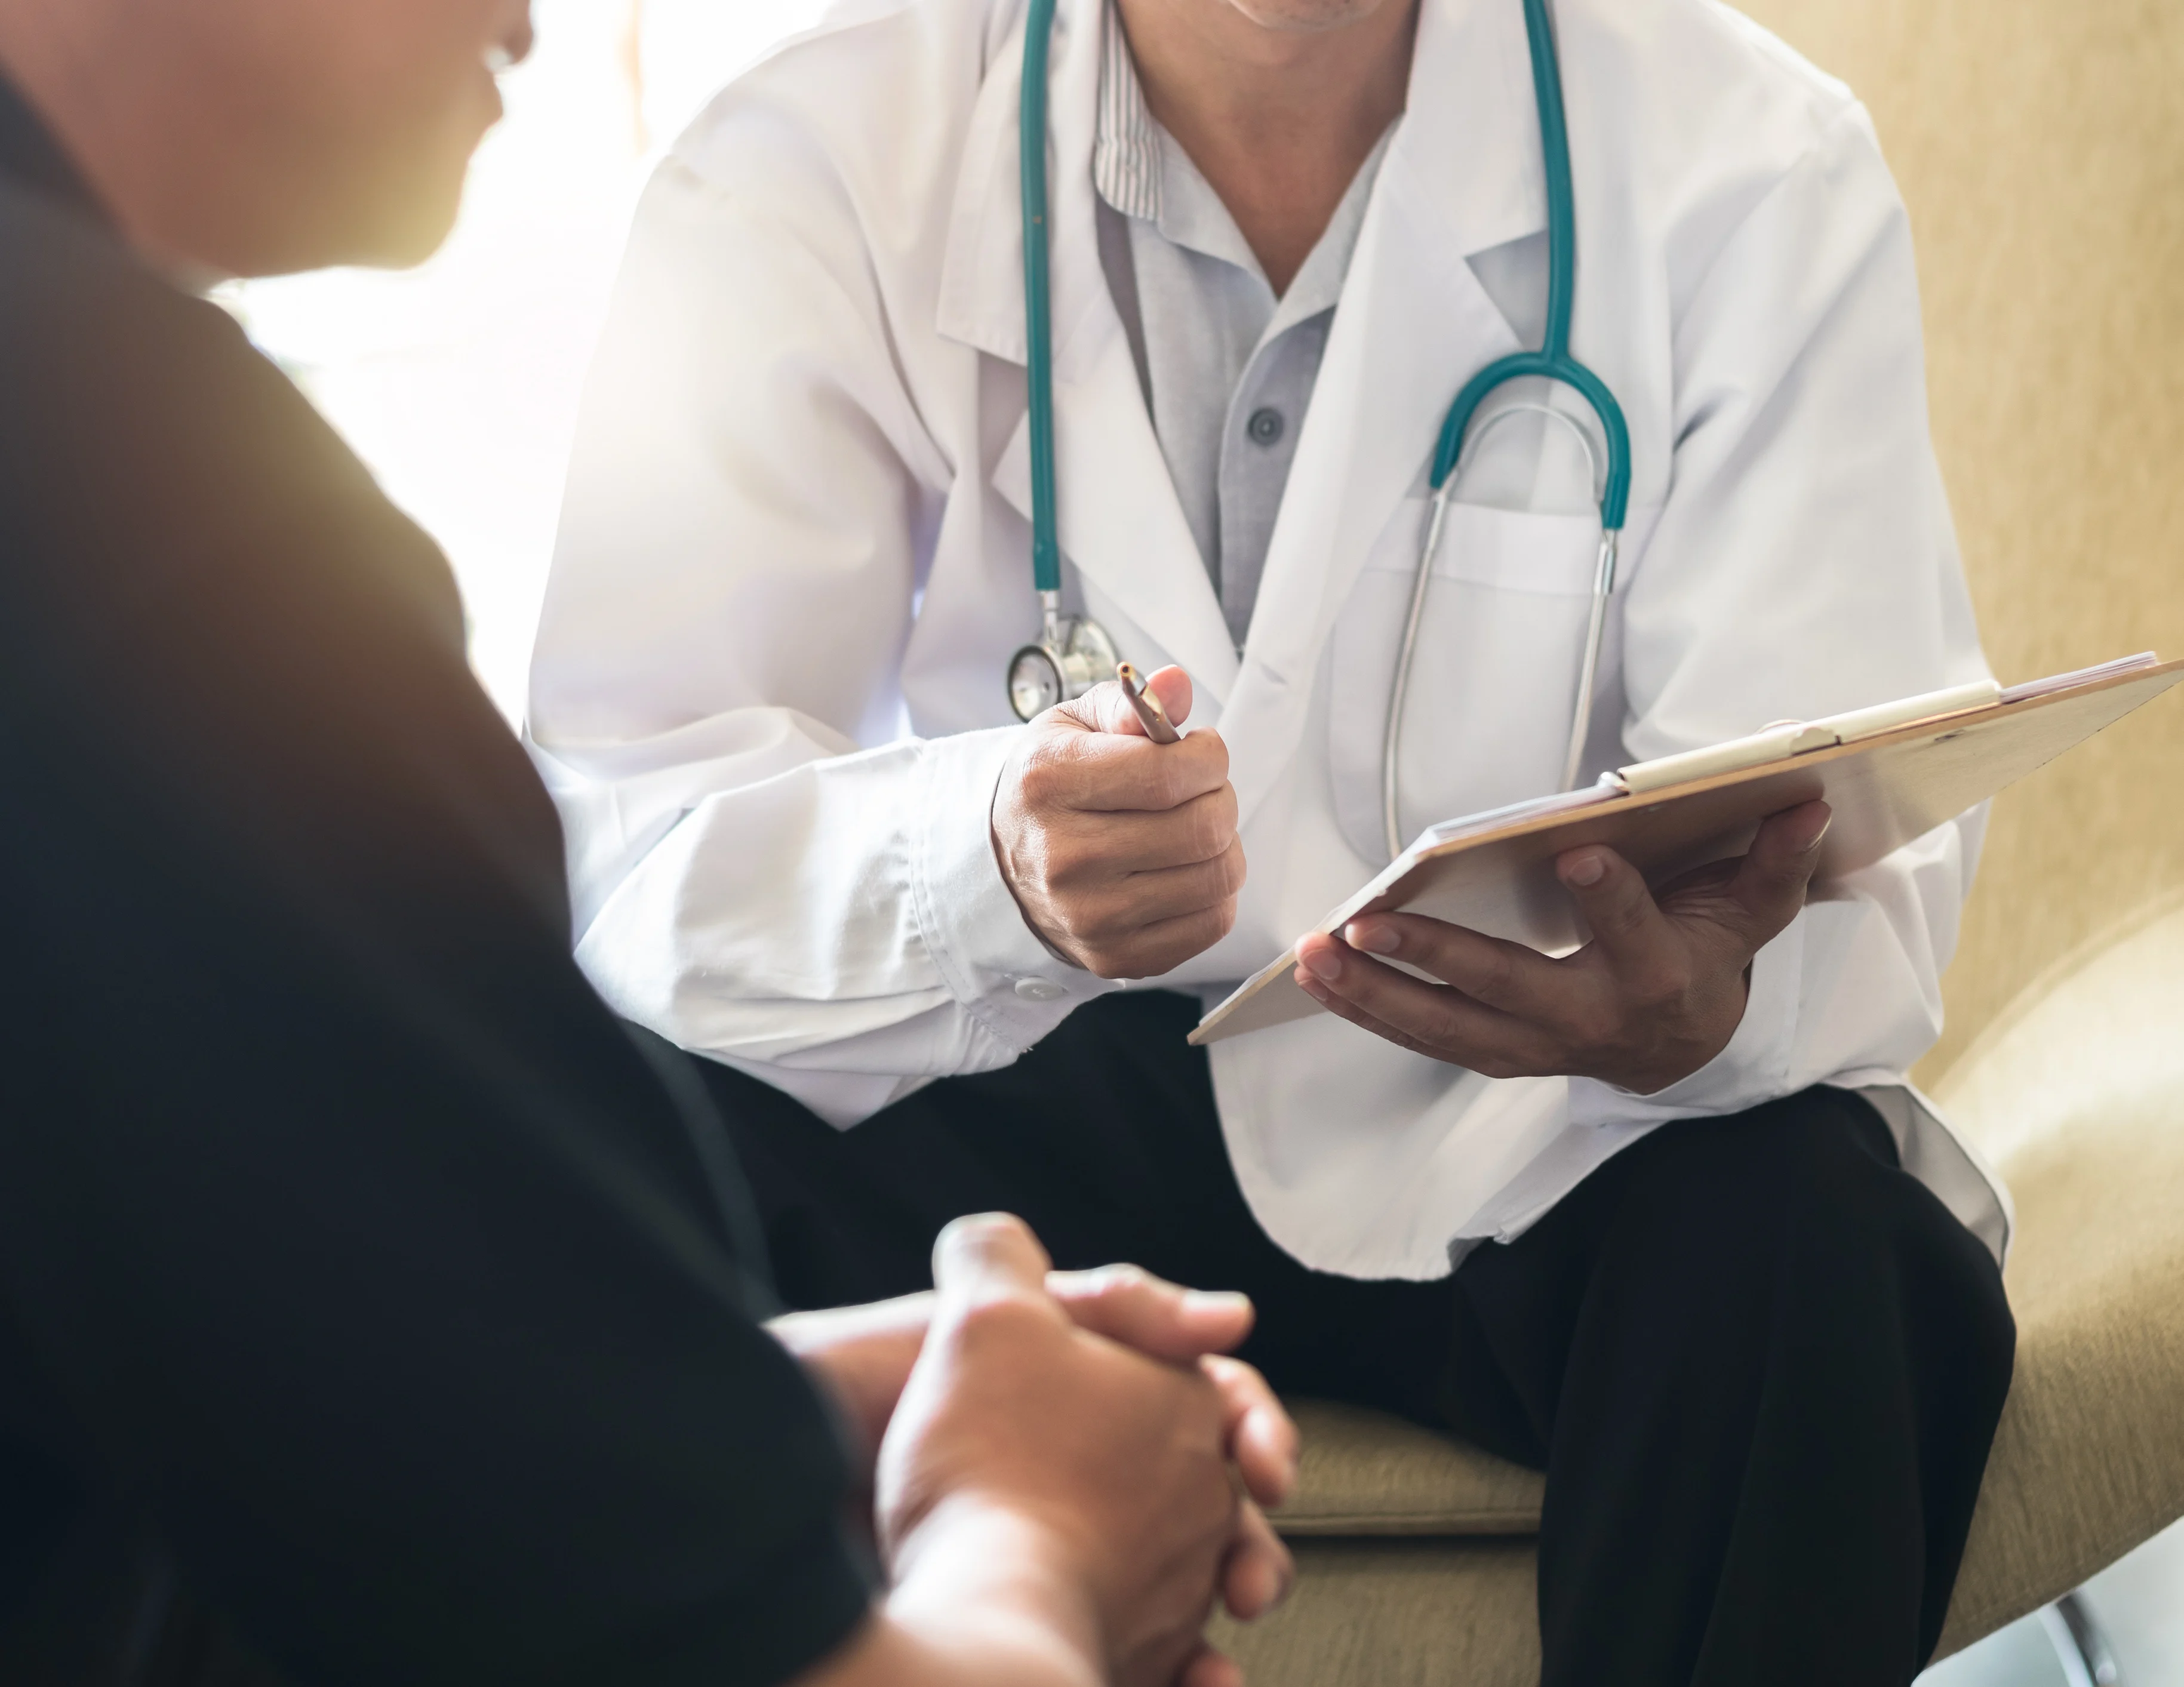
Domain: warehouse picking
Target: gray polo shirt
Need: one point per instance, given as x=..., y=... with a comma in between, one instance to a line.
x=1227, y=368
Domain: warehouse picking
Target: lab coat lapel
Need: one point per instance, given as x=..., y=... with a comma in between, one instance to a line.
x=1464, y=175
x=1121, y=523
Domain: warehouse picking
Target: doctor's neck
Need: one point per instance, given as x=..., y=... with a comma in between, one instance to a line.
x=1277, y=102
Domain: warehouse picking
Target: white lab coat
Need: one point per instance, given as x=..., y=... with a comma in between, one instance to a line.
x=768, y=689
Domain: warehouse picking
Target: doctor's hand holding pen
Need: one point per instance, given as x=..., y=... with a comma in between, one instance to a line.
x=1657, y=994
x=1121, y=851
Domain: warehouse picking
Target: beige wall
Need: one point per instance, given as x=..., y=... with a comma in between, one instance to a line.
x=2040, y=145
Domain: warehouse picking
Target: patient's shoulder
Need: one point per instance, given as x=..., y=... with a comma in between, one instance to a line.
x=77, y=306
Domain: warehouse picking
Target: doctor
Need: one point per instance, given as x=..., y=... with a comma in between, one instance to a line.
x=1665, y=1218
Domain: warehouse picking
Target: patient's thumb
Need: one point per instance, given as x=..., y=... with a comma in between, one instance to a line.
x=988, y=1255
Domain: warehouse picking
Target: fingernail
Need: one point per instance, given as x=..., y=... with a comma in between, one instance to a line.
x=1587, y=870
x=1313, y=988
x=1813, y=842
x=1374, y=937
x=1326, y=962
x=1226, y=1301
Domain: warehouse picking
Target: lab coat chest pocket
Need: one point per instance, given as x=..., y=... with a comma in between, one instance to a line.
x=1487, y=718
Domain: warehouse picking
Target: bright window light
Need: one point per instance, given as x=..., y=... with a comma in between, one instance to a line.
x=458, y=383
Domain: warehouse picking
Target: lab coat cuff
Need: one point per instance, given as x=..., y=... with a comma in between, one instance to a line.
x=1754, y=1067
x=997, y=967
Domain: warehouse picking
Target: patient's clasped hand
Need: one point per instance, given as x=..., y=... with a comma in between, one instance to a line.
x=1060, y=1450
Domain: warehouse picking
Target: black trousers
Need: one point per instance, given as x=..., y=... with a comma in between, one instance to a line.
x=1760, y=1364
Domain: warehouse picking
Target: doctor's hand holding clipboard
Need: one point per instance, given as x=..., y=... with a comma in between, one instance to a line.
x=1656, y=995
x=1121, y=851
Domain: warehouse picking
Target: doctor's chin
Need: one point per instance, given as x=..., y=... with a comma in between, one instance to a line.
x=1091, y=844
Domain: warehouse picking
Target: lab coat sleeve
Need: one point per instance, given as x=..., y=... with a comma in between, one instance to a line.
x=1804, y=562
x=741, y=542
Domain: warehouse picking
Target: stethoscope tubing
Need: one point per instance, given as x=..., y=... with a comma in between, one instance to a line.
x=1548, y=365
x=1391, y=742
x=1038, y=323
x=1552, y=362
x=1603, y=586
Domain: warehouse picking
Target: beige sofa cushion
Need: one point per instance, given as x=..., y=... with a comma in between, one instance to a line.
x=1398, y=1613
x=1367, y=1474
x=2077, y=1093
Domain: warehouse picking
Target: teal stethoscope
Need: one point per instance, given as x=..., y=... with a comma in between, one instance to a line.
x=1073, y=653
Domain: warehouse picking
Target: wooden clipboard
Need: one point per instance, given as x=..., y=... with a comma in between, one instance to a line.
x=1885, y=790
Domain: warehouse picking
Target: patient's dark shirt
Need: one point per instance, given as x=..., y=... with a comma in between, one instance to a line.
x=360, y=1273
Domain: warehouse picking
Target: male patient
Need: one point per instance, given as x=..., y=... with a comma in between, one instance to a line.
x=374, y=1308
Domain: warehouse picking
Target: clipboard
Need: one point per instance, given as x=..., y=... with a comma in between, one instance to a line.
x=1891, y=773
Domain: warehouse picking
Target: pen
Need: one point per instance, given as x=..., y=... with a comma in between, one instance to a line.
x=1150, y=715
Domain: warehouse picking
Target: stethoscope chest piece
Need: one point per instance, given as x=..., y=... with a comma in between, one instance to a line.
x=1072, y=655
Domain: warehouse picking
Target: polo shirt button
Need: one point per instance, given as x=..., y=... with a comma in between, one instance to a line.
x=1265, y=426
x=1040, y=990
